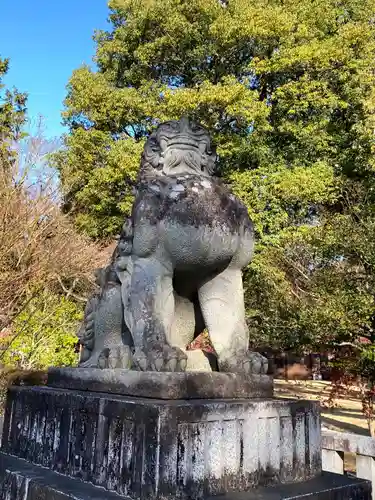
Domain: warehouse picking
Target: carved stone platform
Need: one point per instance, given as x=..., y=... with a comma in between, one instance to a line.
x=163, y=385
x=20, y=480
x=150, y=448
x=64, y=444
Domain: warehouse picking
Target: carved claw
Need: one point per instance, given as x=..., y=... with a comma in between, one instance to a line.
x=258, y=363
x=115, y=357
x=156, y=360
x=103, y=359
x=171, y=365
x=176, y=360
x=246, y=362
x=140, y=360
x=183, y=364
x=160, y=358
x=119, y=357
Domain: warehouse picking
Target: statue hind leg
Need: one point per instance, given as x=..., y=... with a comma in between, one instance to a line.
x=222, y=304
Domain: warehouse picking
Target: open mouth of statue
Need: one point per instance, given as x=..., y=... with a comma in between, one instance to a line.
x=183, y=142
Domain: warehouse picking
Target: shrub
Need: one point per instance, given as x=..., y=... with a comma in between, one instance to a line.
x=43, y=334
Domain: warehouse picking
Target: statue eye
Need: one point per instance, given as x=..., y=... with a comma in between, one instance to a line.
x=154, y=144
x=172, y=125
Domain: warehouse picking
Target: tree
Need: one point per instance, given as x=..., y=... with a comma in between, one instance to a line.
x=39, y=249
x=46, y=268
x=287, y=89
x=12, y=115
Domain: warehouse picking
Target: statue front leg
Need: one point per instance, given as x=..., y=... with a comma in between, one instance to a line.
x=222, y=303
x=150, y=312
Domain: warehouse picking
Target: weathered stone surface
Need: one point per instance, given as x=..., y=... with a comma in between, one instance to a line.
x=197, y=361
x=349, y=443
x=106, y=342
x=325, y=487
x=177, y=267
x=20, y=480
x=336, y=444
x=159, y=449
x=163, y=385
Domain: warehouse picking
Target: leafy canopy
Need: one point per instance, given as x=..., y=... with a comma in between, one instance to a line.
x=287, y=89
x=45, y=266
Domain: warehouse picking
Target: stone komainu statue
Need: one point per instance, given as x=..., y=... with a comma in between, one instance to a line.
x=177, y=267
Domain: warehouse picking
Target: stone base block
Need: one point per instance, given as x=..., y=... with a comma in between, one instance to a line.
x=159, y=449
x=20, y=480
x=163, y=385
x=327, y=486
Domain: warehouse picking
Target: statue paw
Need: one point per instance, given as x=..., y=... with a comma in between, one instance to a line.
x=115, y=357
x=160, y=358
x=247, y=362
x=258, y=363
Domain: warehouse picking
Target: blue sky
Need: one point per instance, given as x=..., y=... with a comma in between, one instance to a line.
x=45, y=41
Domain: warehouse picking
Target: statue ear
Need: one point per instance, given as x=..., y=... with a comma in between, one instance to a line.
x=151, y=155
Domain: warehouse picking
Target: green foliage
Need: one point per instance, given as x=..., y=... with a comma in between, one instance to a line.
x=287, y=89
x=12, y=113
x=43, y=334
x=354, y=367
x=101, y=186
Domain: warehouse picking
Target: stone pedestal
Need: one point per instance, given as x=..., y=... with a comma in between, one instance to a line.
x=163, y=385
x=155, y=449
